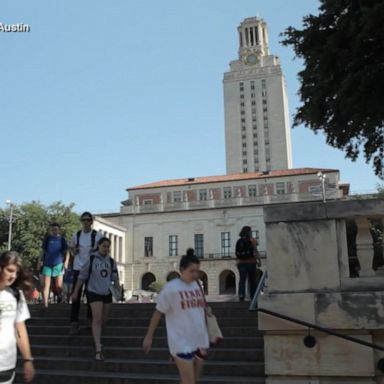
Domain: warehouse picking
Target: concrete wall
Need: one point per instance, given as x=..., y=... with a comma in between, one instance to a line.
x=309, y=280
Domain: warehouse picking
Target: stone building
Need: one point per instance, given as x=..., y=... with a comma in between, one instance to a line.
x=164, y=218
x=160, y=220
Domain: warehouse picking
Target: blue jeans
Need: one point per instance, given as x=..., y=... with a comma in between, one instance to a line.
x=247, y=270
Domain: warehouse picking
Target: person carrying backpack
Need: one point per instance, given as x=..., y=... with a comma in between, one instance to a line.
x=248, y=259
x=98, y=275
x=83, y=244
x=55, y=257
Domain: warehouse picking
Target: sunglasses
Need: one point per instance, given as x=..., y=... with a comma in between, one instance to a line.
x=86, y=220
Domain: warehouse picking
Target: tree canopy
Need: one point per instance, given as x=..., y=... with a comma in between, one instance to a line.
x=342, y=81
x=31, y=224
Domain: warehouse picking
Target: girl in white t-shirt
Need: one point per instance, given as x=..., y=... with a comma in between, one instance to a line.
x=13, y=313
x=182, y=302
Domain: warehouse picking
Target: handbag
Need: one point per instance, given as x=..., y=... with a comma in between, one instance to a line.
x=116, y=293
x=214, y=331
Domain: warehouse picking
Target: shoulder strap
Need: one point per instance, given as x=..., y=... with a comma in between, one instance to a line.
x=202, y=292
x=64, y=244
x=91, y=258
x=78, y=234
x=93, y=238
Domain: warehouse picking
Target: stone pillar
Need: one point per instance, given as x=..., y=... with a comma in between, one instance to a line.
x=364, y=247
x=117, y=256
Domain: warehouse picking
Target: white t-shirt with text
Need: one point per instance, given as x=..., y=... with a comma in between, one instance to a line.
x=85, y=248
x=183, y=305
x=11, y=313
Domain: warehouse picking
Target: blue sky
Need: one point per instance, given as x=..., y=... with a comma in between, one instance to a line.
x=102, y=95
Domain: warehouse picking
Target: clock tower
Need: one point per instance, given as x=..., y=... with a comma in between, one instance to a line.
x=257, y=129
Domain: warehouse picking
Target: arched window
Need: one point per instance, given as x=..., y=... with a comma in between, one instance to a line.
x=227, y=282
x=146, y=280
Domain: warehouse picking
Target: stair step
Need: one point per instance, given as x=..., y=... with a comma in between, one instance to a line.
x=64, y=359
x=86, y=377
x=134, y=330
x=130, y=320
x=137, y=340
x=220, y=354
x=147, y=365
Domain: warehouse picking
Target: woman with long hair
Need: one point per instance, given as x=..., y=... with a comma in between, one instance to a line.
x=98, y=275
x=248, y=259
x=182, y=302
x=13, y=313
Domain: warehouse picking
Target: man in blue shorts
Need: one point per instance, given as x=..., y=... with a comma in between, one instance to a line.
x=55, y=257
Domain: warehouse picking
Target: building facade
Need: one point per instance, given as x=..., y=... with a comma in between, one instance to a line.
x=162, y=219
x=257, y=129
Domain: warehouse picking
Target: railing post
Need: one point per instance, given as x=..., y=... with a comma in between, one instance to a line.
x=364, y=247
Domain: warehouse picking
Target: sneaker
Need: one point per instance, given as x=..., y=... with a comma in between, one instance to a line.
x=74, y=329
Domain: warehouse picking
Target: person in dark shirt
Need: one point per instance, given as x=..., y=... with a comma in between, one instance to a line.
x=54, y=261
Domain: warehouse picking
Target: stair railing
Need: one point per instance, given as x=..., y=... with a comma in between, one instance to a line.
x=310, y=341
x=259, y=289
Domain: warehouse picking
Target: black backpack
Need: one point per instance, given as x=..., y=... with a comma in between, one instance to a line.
x=244, y=249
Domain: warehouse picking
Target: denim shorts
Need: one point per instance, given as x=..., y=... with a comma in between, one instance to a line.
x=53, y=271
x=191, y=355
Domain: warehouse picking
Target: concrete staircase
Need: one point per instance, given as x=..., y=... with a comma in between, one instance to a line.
x=62, y=359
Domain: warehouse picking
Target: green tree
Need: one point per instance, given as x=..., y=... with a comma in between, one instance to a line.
x=31, y=224
x=343, y=75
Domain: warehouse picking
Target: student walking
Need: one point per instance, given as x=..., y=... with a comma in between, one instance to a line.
x=54, y=261
x=182, y=302
x=82, y=244
x=248, y=259
x=98, y=274
x=13, y=312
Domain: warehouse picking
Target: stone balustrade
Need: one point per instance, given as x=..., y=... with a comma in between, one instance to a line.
x=310, y=251
x=134, y=207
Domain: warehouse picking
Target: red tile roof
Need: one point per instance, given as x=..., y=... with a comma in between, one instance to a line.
x=232, y=177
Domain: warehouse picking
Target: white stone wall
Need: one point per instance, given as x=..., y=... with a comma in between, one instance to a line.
x=184, y=224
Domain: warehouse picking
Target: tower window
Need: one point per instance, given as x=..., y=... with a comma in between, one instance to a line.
x=253, y=102
x=228, y=190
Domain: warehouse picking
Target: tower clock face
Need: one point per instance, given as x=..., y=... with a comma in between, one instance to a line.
x=251, y=59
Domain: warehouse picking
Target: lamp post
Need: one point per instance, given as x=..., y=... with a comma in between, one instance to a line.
x=9, y=202
x=322, y=178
